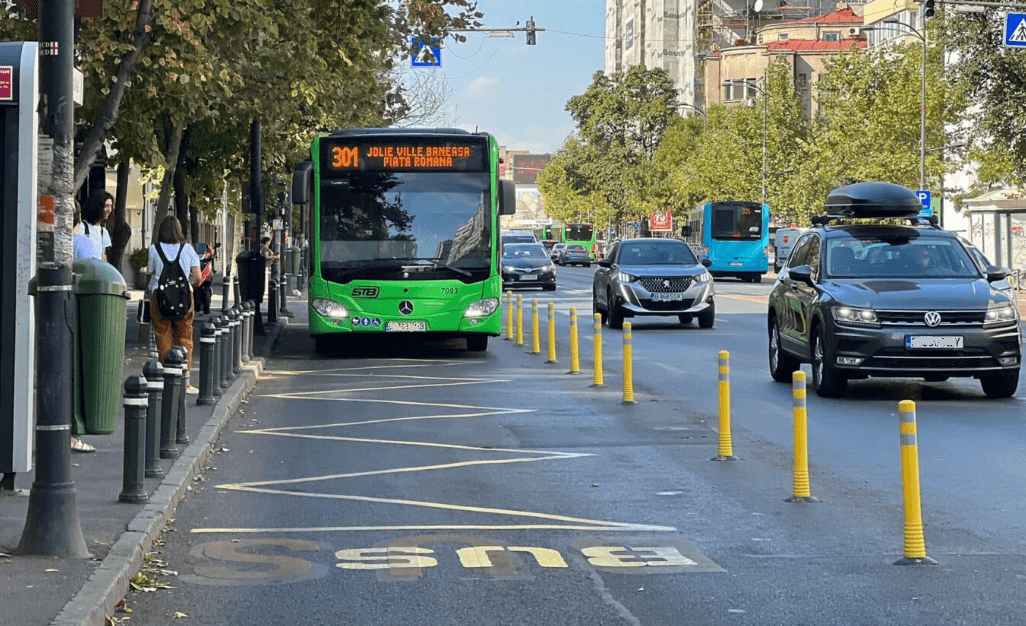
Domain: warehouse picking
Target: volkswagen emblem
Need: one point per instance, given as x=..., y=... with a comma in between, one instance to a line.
x=932, y=318
x=405, y=307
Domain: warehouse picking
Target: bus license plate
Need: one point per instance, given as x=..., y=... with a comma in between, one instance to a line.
x=941, y=342
x=406, y=327
x=667, y=297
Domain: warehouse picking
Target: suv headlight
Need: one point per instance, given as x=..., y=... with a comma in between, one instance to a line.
x=852, y=316
x=329, y=308
x=1000, y=316
x=482, y=308
x=548, y=269
x=704, y=277
x=624, y=277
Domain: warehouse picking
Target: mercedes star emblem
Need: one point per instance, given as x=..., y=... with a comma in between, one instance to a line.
x=932, y=318
x=406, y=307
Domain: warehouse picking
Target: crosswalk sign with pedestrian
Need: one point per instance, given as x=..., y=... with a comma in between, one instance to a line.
x=427, y=53
x=1015, y=30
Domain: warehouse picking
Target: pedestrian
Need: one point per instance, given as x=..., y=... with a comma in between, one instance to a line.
x=265, y=249
x=84, y=247
x=173, y=331
x=97, y=207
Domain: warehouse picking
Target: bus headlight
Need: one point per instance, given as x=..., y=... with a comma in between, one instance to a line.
x=329, y=308
x=482, y=308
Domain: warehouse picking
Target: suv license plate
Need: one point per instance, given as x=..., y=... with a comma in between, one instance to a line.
x=406, y=327
x=667, y=297
x=932, y=342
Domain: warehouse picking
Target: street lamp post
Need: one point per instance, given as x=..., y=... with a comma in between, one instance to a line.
x=700, y=111
x=765, y=98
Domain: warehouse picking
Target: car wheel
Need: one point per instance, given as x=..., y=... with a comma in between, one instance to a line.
x=477, y=343
x=756, y=278
x=685, y=318
x=1001, y=385
x=826, y=381
x=615, y=315
x=782, y=365
x=707, y=317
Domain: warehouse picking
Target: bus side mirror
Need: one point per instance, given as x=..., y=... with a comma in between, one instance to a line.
x=507, y=197
x=302, y=181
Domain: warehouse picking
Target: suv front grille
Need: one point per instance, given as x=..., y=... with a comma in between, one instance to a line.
x=898, y=359
x=915, y=318
x=666, y=285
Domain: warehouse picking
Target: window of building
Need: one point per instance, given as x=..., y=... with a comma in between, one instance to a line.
x=803, y=80
x=752, y=91
x=782, y=37
x=832, y=35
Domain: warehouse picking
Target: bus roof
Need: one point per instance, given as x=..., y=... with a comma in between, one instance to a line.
x=349, y=132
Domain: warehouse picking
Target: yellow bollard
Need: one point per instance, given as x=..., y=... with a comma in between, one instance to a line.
x=552, y=333
x=520, y=320
x=726, y=449
x=628, y=370
x=800, y=491
x=575, y=356
x=509, y=316
x=535, y=340
x=915, y=545
x=597, y=380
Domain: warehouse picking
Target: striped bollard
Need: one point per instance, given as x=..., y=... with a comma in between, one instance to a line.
x=154, y=373
x=575, y=356
x=552, y=332
x=726, y=447
x=597, y=379
x=535, y=339
x=520, y=320
x=206, y=371
x=628, y=366
x=133, y=483
x=800, y=490
x=915, y=544
x=509, y=316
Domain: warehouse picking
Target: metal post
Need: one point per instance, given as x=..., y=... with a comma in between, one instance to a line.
x=226, y=352
x=154, y=373
x=215, y=362
x=226, y=283
x=208, y=340
x=922, y=121
x=235, y=289
x=236, y=317
x=133, y=488
x=247, y=334
x=181, y=436
x=173, y=365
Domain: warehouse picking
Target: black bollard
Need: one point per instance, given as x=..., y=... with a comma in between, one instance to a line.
x=235, y=289
x=236, y=316
x=226, y=344
x=215, y=363
x=225, y=286
x=208, y=341
x=181, y=436
x=133, y=488
x=247, y=331
x=169, y=406
x=154, y=373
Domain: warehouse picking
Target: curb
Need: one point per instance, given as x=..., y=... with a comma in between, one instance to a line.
x=109, y=584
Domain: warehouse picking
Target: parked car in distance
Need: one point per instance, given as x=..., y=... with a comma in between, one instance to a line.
x=554, y=252
x=881, y=298
x=527, y=265
x=574, y=255
x=653, y=277
x=517, y=236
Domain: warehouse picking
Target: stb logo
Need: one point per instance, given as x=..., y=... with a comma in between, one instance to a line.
x=365, y=292
x=932, y=318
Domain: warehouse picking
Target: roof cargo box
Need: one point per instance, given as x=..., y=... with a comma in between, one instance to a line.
x=873, y=200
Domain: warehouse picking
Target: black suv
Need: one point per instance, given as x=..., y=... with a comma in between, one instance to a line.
x=884, y=298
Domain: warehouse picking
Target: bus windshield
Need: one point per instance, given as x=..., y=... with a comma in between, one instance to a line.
x=436, y=220
x=737, y=221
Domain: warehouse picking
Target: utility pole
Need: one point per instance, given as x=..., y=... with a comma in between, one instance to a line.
x=52, y=526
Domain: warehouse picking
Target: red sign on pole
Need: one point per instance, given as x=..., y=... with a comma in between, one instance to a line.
x=6, y=82
x=660, y=220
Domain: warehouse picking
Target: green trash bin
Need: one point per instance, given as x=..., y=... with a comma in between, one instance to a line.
x=297, y=260
x=101, y=298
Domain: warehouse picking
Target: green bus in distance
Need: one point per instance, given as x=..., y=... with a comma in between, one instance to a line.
x=402, y=230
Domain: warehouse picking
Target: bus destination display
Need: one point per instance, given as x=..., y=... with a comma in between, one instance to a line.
x=354, y=156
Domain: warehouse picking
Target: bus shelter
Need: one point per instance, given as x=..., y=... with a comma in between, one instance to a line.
x=996, y=221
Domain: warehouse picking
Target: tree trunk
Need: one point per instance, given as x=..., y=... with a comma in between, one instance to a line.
x=164, y=199
x=120, y=230
x=108, y=112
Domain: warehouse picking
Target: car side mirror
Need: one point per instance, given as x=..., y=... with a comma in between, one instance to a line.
x=706, y=261
x=801, y=273
x=604, y=262
x=995, y=273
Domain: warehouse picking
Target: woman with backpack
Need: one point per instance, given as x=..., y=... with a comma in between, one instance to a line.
x=172, y=316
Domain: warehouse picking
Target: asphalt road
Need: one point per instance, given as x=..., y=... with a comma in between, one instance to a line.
x=395, y=483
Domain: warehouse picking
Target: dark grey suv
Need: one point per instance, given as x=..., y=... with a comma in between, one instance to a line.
x=889, y=299
x=653, y=277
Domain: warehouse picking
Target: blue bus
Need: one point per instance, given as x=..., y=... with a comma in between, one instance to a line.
x=734, y=234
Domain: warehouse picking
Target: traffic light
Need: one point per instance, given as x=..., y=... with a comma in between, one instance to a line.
x=929, y=8
x=532, y=37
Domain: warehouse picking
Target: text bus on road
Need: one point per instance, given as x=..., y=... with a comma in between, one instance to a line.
x=734, y=234
x=402, y=233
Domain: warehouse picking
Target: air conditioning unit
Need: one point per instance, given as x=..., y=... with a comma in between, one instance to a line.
x=854, y=31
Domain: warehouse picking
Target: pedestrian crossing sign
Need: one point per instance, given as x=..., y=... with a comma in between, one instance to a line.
x=427, y=53
x=1015, y=30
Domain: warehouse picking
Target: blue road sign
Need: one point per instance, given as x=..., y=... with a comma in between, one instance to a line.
x=1015, y=30
x=428, y=54
x=925, y=200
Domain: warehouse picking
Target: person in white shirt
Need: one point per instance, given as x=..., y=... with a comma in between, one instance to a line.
x=97, y=207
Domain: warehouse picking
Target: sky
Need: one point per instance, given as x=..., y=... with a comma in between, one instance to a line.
x=519, y=92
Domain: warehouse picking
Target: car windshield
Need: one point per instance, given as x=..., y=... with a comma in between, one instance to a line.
x=524, y=251
x=899, y=256
x=670, y=252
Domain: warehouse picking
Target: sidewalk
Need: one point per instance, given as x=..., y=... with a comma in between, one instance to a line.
x=38, y=591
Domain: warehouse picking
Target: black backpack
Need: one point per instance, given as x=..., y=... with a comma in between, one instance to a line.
x=174, y=296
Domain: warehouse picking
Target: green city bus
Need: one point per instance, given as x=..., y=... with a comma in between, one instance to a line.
x=402, y=231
